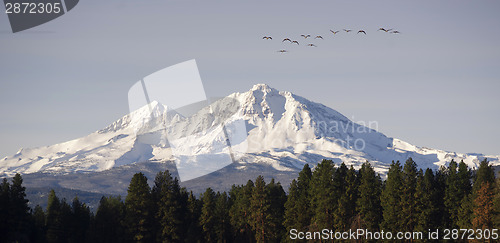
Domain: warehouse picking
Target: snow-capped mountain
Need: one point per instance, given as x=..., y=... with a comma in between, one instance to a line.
x=281, y=130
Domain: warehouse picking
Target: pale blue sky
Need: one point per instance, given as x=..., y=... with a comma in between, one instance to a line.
x=436, y=84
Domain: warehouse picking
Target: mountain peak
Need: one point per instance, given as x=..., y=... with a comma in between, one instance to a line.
x=157, y=107
x=154, y=103
x=263, y=87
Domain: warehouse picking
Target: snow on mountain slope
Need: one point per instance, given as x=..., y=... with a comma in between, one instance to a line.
x=114, y=145
x=283, y=131
x=287, y=127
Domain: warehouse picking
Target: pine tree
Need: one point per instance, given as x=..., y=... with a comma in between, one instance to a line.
x=292, y=211
x=483, y=198
x=54, y=224
x=19, y=210
x=298, y=210
x=169, y=207
x=5, y=227
x=193, y=216
x=186, y=217
x=426, y=200
x=483, y=207
x=222, y=226
x=464, y=175
x=207, y=219
x=408, y=215
x=441, y=216
x=368, y=204
x=66, y=220
x=466, y=204
x=347, y=186
x=458, y=188
x=79, y=222
x=38, y=225
x=110, y=220
x=352, y=190
x=464, y=220
x=240, y=212
x=323, y=198
x=391, y=198
x=277, y=199
x=138, y=206
x=260, y=211
x=485, y=173
x=453, y=196
x=496, y=204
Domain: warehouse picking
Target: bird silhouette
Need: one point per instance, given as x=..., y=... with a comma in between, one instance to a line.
x=382, y=29
x=318, y=37
x=362, y=31
x=347, y=30
x=395, y=32
x=286, y=39
x=334, y=32
x=267, y=37
x=305, y=36
x=296, y=42
x=282, y=51
x=313, y=45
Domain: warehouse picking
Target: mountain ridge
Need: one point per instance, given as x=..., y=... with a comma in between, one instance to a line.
x=284, y=131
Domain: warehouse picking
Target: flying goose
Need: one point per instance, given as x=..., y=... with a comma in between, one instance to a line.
x=313, y=45
x=318, y=37
x=305, y=36
x=362, y=31
x=286, y=39
x=296, y=42
x=267, y=37
x=282, y=51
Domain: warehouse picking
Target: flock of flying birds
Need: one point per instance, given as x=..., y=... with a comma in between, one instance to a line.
x=334, y=32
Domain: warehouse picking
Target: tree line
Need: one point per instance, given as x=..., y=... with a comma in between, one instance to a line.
x=331, y=196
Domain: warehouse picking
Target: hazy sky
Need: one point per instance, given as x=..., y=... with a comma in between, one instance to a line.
x=437, y=84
